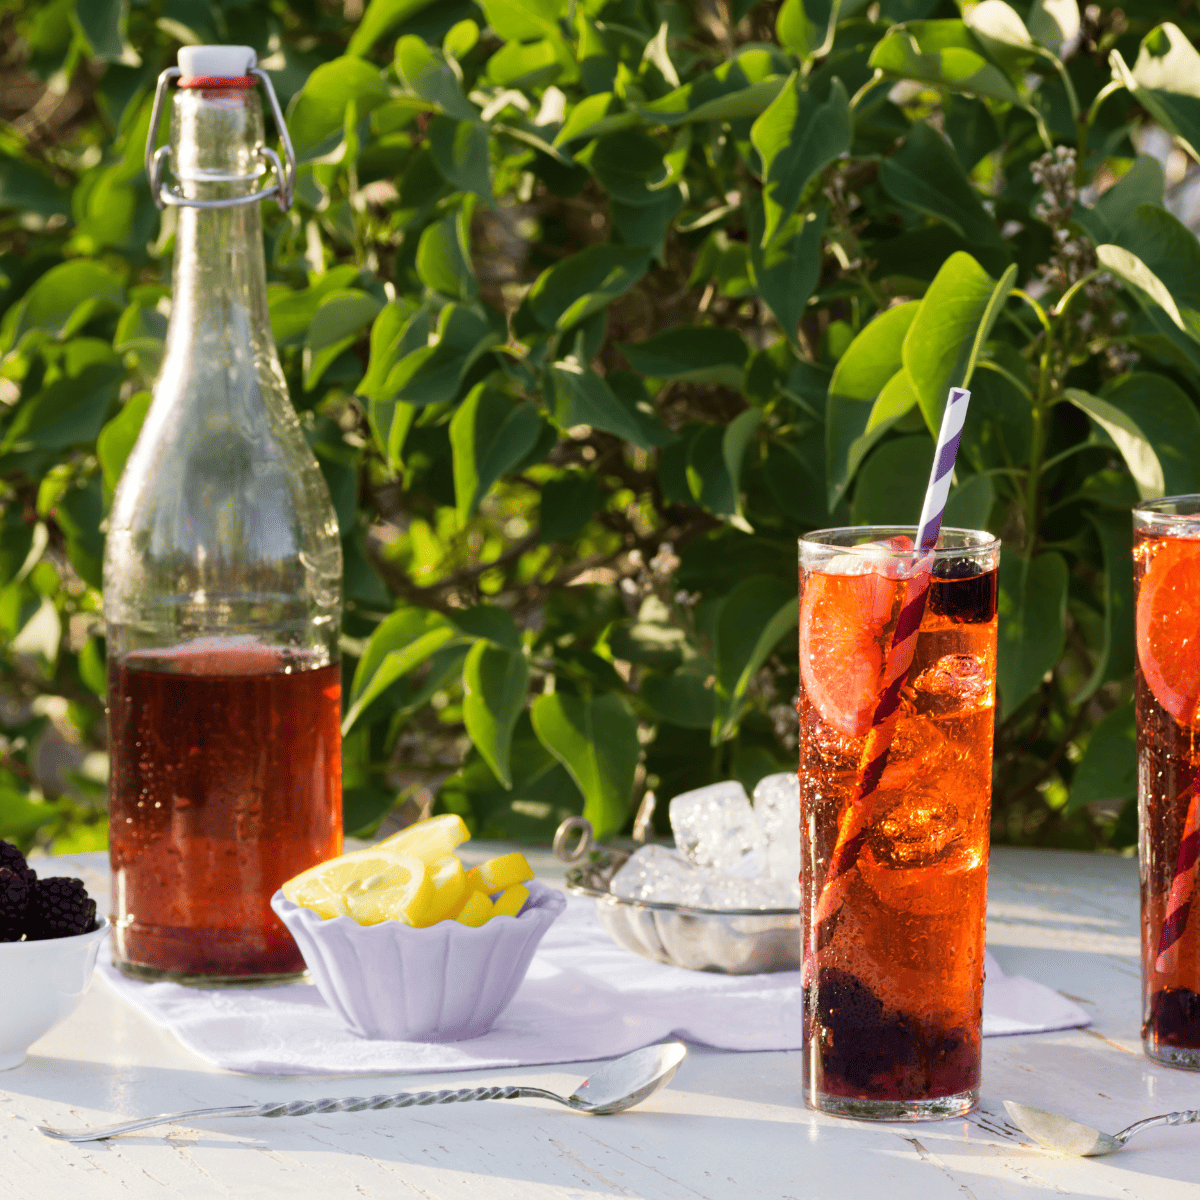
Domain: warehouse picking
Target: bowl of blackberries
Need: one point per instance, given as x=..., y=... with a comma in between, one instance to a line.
x=49, y=937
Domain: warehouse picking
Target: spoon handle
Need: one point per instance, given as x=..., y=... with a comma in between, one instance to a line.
x=1187, y=1117
x=301, y=1108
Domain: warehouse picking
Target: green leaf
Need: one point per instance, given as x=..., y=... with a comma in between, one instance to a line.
x=687, y=698
x=30, y=189
x=692, y=353
x=338, y=322
x=66, y=297
x=714, y=465
x=489, y=436
x=787, y=272
x=924, y=174
x=460, y=150
x=1053, y=23
x=1155, y=426
x=381, y=17
x=428, y=75
x=588, y=119
x=21, y=817
x=1116, y=658
x=583, y=398
x=970, y=503
x=1143, y=183
x=40, y=637
x=891, y=482
x=1032, y=609
x=403, y=642
x=489, y=622
x=444, y=256
x=436, y=372
x=1165, y=80
x=116, y=439
x=1108, y=770
x=796, y=137
x=495, y=683
x=795, y=31
x=754, y=618
x=945, y=54
x=103, y=24
x=1159, y=257
x=651, y=639
x=574, y=288
x=567, y=504
x=522, y=20
x=870, y=363
x=524, y=64
x=596, y=740
x=947, y=335
x=317, y=117
x=68, y=412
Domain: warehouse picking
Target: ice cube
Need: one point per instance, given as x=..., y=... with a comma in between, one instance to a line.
x=658, y=874
x=728, y=891
x=919, y=828
x=777, y=806
x=715, y=826
x=956, y=683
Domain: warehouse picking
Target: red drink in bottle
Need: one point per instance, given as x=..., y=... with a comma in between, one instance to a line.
x=226, y=782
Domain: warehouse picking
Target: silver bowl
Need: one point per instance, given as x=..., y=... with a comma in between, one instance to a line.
x=738, y=941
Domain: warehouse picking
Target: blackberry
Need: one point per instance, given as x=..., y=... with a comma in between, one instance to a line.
x=14, y=900
x=59, y=908
x=12, y=858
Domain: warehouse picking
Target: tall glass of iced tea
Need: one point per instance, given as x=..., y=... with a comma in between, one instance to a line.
x=1166, y=557
x=894, y=942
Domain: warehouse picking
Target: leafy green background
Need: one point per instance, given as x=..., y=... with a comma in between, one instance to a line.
x=589, y=309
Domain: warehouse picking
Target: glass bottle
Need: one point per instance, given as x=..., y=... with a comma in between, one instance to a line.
x=222, y=593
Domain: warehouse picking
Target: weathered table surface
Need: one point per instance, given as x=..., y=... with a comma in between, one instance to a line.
x=730, y=1125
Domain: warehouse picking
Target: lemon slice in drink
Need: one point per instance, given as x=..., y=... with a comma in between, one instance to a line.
x=369, y=885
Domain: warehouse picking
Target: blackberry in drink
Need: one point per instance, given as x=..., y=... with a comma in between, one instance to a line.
x=894, y=977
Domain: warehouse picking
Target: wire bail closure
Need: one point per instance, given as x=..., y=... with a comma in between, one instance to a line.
x=285, y=177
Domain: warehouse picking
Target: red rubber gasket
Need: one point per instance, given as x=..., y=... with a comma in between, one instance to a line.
x=219, y=81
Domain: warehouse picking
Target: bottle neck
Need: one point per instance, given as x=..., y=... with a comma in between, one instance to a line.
x=219, y=280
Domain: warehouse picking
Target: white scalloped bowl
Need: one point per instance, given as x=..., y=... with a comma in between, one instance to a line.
x=445, y=983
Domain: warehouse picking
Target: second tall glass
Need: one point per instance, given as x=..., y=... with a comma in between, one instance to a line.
x=1166, y=553
x=895, y=876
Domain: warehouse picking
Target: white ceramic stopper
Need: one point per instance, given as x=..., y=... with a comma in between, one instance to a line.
x=215, y=61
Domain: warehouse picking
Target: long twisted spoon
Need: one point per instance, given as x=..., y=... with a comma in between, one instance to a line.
x=616, y=1086
x=1072, y=1137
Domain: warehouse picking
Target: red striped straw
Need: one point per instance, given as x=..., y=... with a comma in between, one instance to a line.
x=852, y=827
x=1183, y=887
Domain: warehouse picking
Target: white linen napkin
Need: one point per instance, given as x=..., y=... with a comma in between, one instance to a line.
x=584, y=998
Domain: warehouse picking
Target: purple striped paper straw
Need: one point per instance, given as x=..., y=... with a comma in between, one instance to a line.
x=852, y=827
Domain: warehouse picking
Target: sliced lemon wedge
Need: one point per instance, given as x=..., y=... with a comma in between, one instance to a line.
x=499, y=873
x=368, y=885
x=511, y=901
x=477, y=910
x=435, y=837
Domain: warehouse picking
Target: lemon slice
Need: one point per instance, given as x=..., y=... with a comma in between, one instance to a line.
x=449, y=888
x=368, y=885
x=435, y=837
x=499, y=873
x=512, y=901
x=477, y=910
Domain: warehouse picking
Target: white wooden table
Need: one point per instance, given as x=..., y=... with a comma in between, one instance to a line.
x=730, y=1125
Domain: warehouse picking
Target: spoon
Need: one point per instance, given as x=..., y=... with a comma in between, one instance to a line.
x=616, y=1086
x=1070, y=1137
